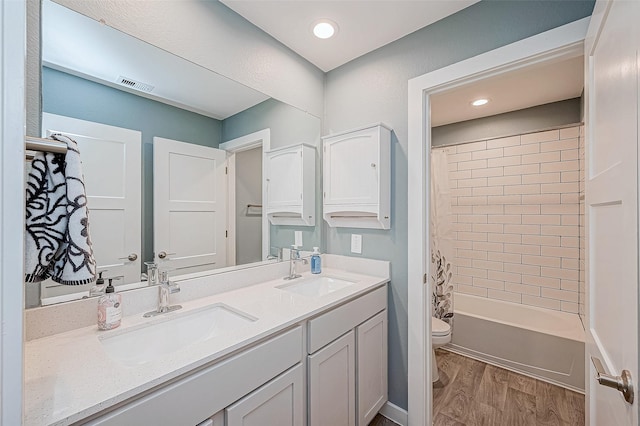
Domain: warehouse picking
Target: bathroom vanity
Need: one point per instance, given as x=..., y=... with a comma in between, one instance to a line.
x=247, y=348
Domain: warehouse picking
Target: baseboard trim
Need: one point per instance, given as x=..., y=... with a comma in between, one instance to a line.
x=395, y=413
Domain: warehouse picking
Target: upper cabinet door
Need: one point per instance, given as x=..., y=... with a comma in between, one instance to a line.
x=356, y=178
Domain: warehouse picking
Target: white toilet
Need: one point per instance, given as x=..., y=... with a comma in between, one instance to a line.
x=440, y=336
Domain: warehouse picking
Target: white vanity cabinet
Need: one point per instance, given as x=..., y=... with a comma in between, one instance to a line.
x=356, y=169
x=290, y=181
x=347, y=362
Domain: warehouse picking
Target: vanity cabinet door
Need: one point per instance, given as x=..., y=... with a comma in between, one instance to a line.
x=371, y=338
x=279, y=402
x=332, y=379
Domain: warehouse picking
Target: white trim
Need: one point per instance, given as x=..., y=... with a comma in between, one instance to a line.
x=394, y=413
x=12, y=135
x=560, y=43
x=231, y=209
x=244, y=143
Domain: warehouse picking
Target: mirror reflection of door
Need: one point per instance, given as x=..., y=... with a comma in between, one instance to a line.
x=189, y=206
x=248, y=200
x=111, y=159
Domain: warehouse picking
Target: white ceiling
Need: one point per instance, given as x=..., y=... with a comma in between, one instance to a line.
x=532, y=86
x=364, y=25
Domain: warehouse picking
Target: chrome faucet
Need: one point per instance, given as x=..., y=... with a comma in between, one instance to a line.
x=294, y=258
x=165, y=288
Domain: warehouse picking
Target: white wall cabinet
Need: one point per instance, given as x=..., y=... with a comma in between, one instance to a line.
x=357, y=178
x=290, y=175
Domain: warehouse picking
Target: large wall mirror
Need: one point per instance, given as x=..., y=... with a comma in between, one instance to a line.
x=128, y=103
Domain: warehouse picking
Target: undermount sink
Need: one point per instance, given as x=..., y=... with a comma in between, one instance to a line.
x=146, y=342
x=315, y=286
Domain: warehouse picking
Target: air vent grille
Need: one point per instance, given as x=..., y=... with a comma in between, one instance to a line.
x=133, y=84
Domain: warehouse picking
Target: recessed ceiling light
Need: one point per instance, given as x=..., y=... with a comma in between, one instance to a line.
x=325, y=28
x=480, y=102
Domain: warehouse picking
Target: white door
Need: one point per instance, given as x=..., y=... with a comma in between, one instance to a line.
x=189, y=206
x=611, y=206
x=111, y=163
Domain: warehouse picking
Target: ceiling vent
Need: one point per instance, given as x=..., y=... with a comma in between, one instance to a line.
x=132, y=84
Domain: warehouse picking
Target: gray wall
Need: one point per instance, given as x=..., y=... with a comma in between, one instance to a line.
x=248, y=191
x=289, y=126
x=71, y=96
x=526, y=120
x=373, y=88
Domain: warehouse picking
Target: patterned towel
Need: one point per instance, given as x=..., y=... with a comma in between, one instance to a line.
x=57, y=241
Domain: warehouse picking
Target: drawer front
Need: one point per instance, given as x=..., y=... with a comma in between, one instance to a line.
x=333, y=324
x=194, y=398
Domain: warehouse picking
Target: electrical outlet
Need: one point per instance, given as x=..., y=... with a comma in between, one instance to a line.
x=298, y=238
x=356, y=243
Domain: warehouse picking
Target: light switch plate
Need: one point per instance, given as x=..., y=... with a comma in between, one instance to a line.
x=356, y=243
x=298, y=238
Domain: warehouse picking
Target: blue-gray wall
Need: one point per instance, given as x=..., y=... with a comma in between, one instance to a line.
x=289, y=126
x=71, y=96
x=373, y=88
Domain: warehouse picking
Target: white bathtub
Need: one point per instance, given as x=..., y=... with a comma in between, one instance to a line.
x=537, y=342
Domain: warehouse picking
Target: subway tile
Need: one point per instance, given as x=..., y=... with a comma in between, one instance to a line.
x=503, y=142
x=560, y=166
x=562, y=231
x=570, y=219
x=541, y=240
x=488, y=153
x=506, y=180
x=475, y=164
x=493, y=209
x=488, y=172
x=504, y=161
x=515, y=219
x=570, y=176
x=480, y=245
x=554, y=208
x=541, y=219
x=505, y=276
x=463, y=279
x=504, y=238
x=453, y=183
x=559, y=145
x=453, y=167
x=565, y=274
x=569, y=307
x=462, y=262
x=482, y=282
x=469, y=183
x=491, y=227
x=470, y=201
x=534, y=280
x=550, y=135
x=504, y=199
x=570, y=242
x=488, y=190
x=568, y=252
x=473, y=272
x=569, y=285
x=473, y=254
x=472, y=236
x=522, y=209
x=570, y=132
x=465, y=245
x=558, y=188
x=464, y=174
x=474, y=146
x=448, y=149
x=541, y=302
x=455, y=158
x=522, y=269
x=521, y=150
x=522, y=189
x=461, y=210
x=505, y=295
x=504, y=257
x=542, y=178
x=522, y=289
x=472, y=218
x=568, y=154
x=461, y=192
x=541, y=199
x=551, y=262
x=525, y=169
x=545, y=157
x=522, y=229
x=475, y=291
x=461, y=227
x=488, y=265
x=522, y=249
x=567, y=296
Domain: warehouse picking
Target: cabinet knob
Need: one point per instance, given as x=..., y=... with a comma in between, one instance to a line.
x=373, y=164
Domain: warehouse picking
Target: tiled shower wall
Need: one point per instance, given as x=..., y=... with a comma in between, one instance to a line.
x=515, y=208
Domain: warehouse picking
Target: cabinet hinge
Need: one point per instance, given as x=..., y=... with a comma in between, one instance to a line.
x=301, y=195
x=324, y=194
x=424, y=279
x=226, y=170
x=226, y=234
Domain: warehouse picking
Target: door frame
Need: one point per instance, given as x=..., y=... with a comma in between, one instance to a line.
x=233, y=146
x=560, y=43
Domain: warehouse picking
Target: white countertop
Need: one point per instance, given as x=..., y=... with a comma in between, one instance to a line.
x=69, y=376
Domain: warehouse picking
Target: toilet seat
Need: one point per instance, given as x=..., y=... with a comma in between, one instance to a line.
x=439, y=328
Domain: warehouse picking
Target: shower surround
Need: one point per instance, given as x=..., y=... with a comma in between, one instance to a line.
x=515, y=218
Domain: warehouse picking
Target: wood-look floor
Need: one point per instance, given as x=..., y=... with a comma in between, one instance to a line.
x=472, y=393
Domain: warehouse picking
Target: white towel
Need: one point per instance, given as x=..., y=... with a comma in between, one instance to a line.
x=57, y=241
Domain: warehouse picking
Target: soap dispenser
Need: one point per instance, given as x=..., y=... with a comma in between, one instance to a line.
x=109, y=308
x=316, y=261
x=98, y=289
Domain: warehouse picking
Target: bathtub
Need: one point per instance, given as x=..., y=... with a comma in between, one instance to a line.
x=541, y=343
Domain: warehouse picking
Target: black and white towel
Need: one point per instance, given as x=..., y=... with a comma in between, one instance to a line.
x=57, y=241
